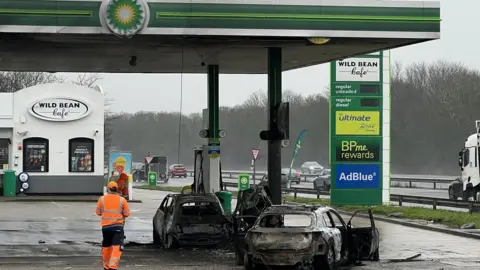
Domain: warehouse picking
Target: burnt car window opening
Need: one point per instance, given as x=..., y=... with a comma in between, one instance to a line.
x=286, y=221
x=335, y=218
x=199, y=209
x=328, y=220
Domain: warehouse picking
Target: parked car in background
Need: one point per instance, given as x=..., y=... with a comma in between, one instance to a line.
x=294, y=175
x=315, y=236
x=285, y=182
x=177, y=170
x=323, y=181
x=311, y=167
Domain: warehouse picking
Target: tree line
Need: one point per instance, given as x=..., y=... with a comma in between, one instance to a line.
x=434, y=108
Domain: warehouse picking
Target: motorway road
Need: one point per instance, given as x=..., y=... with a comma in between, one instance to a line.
x=435, y=193
x=66, y=236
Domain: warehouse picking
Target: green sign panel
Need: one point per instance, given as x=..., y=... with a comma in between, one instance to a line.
x=356, y=119
x=152, y=178
x=243, y=181
x=357, y=149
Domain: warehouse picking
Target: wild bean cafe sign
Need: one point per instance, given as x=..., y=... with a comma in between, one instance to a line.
x=358, y=70
x=60, y=109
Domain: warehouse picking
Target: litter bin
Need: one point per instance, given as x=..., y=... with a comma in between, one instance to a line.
x=9, y=183
x=225, y=198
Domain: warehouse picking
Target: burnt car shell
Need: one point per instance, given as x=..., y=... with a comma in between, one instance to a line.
x=326, y=242
x=250, y=204
x=192, y=220
x=269, y=244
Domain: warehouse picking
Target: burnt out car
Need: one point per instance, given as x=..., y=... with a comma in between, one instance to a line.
x=250, y=204
x=310, y=236
x=190, y=220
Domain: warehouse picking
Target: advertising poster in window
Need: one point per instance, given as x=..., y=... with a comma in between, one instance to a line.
x=81, y=157
x=119, y=162
x=36, y=156
x=3, y=154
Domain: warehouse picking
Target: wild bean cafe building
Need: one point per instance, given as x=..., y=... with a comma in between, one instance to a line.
x=53, y=133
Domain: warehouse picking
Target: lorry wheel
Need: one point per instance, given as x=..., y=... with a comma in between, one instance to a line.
x=469, y=192
x=451, y=194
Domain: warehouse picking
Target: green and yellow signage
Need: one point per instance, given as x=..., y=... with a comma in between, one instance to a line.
x=356, y=129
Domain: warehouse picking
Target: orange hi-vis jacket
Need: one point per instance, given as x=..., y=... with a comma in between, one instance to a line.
x=113, y=209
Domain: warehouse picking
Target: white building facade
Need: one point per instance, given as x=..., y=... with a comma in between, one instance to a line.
x=55, y=133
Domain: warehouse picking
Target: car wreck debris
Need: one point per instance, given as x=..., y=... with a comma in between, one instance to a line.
x=297, y=235
x=190, y=220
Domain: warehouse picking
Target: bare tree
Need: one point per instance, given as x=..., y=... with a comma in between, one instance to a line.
x=87, y=79
x=12, y=81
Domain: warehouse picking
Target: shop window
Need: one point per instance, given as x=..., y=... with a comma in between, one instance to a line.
x=81, y=155
x=35, y=155
x=4, y=143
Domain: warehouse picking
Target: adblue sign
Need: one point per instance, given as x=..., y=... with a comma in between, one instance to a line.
x=357, y=176
x=60, y=109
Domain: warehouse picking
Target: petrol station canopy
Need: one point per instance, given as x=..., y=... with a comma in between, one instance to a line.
x=183, y=36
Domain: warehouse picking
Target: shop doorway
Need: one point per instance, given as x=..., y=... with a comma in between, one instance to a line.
x=4, y=160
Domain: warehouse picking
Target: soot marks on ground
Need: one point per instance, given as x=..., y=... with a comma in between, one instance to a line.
x=67, y=242
x=93, y=243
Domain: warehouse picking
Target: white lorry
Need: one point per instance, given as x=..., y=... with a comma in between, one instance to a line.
x=467, y=187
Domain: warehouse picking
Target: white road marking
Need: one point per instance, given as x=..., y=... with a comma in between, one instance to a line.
x=134, y=210
x=55, y=218
x=60, y=205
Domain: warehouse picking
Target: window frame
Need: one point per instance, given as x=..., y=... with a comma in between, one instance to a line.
x=34, y=140
x=7, y=147
x=70, y=152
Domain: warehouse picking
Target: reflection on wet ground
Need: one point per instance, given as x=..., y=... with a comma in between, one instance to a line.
x=50, y=230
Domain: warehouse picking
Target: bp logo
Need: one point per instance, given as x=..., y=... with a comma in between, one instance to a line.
x=124, y=17
x=152, y=176
x=244, y=180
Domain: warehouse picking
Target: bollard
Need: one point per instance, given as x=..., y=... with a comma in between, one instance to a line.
x=318, y=194
x=434, y=185
x=434, y=204
x=400, y=201
x=295, y=193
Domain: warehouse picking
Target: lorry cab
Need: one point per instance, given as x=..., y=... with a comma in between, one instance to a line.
x=467, y=186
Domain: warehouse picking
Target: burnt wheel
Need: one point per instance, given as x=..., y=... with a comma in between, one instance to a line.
x=376, y=255
x=327, y=261
x=238, y=257
x=156, y=238
x=168, y=242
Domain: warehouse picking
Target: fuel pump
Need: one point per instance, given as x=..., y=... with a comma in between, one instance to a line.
x=201, y=171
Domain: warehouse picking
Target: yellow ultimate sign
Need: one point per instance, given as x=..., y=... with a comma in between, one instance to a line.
x=357, y=123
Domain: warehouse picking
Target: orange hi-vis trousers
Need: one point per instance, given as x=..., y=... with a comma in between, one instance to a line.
x=112, y=247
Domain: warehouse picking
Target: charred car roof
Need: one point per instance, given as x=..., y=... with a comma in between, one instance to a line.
x=183, y=198
x=280, y=209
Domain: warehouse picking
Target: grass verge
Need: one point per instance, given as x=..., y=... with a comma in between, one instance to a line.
x=450, y=218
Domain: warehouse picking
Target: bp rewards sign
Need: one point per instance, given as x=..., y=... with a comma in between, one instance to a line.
x=355, y=130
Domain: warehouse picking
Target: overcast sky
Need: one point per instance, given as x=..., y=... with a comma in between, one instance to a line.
x=459, y=33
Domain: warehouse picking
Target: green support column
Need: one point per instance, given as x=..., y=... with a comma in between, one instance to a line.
x=274, y=100
x=212, y=183
x=213, y=103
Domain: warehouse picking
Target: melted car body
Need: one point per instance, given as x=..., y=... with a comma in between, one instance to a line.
x=317, y=236
x=189, y=220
